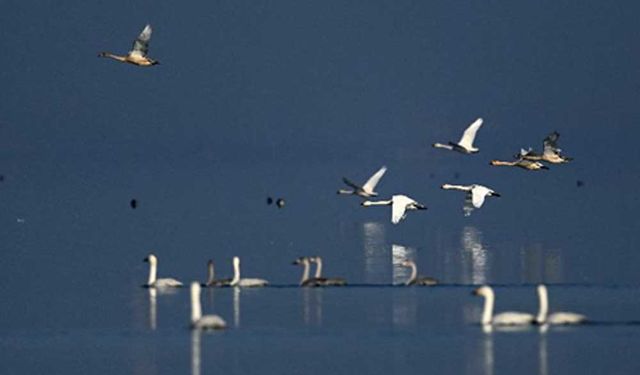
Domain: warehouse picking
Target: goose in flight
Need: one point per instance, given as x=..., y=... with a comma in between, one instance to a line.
x=138, y=54
x=211, y=277
x=414, y=279
x=237, y=281
x=475, y=195
x=557, y=317
x=318, y=280
x=529, y=165
x=509, y=318
x=465, y=144
x=366, y=190
x=197, y=320
x=551, y=153
x=153, y=281
x=399, y=205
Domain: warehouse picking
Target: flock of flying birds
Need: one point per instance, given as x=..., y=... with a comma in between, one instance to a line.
x=400, y=204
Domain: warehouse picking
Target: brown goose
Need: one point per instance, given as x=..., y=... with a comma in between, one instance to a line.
x=138, y=55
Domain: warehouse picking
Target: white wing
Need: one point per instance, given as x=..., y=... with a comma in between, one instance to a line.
x=398, y=210
x=478, y=193
x=141, y=44
x=371, y=183
x=470, y=134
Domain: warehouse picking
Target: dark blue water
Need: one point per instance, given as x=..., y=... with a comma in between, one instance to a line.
x=283, y=100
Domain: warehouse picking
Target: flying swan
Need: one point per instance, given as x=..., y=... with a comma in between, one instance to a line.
x=509, y=318
x=399, y=205
x=551, y=153
x=465, y=144
x=475, y=195
x=154, y=282
x=366, y=190
x=138, y=55
x=197, y=320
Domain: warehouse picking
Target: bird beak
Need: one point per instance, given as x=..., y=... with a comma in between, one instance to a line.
x=494, y=194
x=475, y=292
x=146, y=260
x=421, y=207
x=544, y=167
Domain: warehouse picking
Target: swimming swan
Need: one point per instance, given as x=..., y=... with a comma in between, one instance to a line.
x=475, y=195
x=237, y=281
x=318, y=280
x=305, y=280
x=555, y=318
x=153, y=282
x=138, y=55
x=529, y=165
x=465, y=144
x=399, y=205
x=366, y=190
x=197, y=320
x=414, y=279
x=509, y=318
x=551, y=153
x=211, y=277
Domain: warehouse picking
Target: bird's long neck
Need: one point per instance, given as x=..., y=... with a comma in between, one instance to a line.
x=543, y=300
x=440, y=145
x=196, y=309
x=211, y=276
x=236, y=273
x=377, y=203
x=487, y=312
x=112, y=56
x=505, y=163
x=414, y=273
x=455, y=187
x=318, y=268
x=346, y=192
x=305, y=273
x=153, y=269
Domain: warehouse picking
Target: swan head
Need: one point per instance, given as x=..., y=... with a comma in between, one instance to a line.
x=315, y=259
x=542, y=290
x=366, y=203
x=484, y=291
x=151, y=259
x=407, y=263
x=301, y=260
x=236, y=261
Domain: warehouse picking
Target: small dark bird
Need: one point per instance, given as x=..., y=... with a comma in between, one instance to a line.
x=133, y=203
x=1, y=178
x=269, y=200
x=579, y=183
x=280, y=203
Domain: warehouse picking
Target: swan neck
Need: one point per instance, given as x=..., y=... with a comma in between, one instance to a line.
x=196, y=308
x=499, y=162
x=487, y=312
x=153, y=269
x=236, y=273
x=211, y=276
x=318, y=268
x=305, y=273
x=543, y=300
x=440, y=145
x=377, y=203
x=414, y=273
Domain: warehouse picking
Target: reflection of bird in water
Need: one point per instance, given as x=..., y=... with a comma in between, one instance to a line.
x=211, y=277
x=475, y=255
x=465, y=144
x=318, y=280
x=509, y=318
x=153, y=311
x=154, y=282
x=366, y=190
x=399, y=205
x=414, y=279
x=557, y=317
x=551, y=153
x=237, y=281
x=198, y=321
x=475, y=195
x=137, y=55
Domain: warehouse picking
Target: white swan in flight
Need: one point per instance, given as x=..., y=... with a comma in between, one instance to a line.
x=465, y=144
x=475, y=195
x=237, y=281
x=138, y=54
x=153, y=281
x=399, y=205
x=366, y=190
x=551, y=153
x=558, y=317
x=197, y=320
x=414, y=279
x=318, y=280
x=211, y=277
x=509, y=318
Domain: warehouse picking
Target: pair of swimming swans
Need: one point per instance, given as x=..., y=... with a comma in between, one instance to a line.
x=512, y=318
x=138, y=54
x=154, y=282
x=317, y=279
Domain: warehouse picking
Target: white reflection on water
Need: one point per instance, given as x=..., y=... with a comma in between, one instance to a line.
x=475, y=259
x=487, y=351
x=153, y=309
x=542, y=351
x=399, y=254
x=196, y=336
x=312, y=306
x=236, y=307
x=376, y=261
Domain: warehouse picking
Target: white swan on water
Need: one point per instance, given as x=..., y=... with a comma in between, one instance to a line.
x=399, y=205
x=366, y=190
x=465, y=144
x=237, y=281
x=153, y=281
x=318, y=280
x=197, y=320
x=509, y=318
x=414, y=279
x=558, y=317
x=475, y=195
